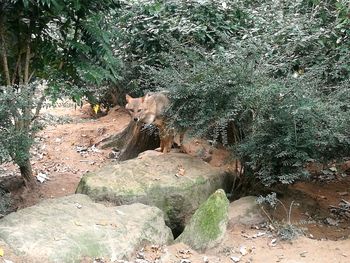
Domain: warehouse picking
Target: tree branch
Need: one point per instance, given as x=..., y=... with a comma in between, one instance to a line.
x=27, y=62
x=38, y=107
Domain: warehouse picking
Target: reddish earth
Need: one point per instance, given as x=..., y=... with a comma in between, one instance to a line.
x=65, y=152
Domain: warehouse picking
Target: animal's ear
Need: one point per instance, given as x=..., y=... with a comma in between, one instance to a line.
x=128, y=98
x=145, y=97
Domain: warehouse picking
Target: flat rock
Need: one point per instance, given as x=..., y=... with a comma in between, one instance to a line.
x=70, y=228
x=245, y=211
x=176, y=183
x=207, y=226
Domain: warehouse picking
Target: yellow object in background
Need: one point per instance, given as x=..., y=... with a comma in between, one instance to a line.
x=96, y=108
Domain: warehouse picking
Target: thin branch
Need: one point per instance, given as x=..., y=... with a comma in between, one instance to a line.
x=290, y=212
x=268, y=216
x=38, y=107
x=31, y=75
x=284, y=207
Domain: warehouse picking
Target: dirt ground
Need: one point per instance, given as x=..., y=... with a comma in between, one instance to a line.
x=65, y=152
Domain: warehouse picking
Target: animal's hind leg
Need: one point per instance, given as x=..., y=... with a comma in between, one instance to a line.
x=181, y=141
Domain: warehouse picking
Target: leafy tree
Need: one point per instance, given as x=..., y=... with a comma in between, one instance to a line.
x=148, y=29
x=278, y=125
x=280, y=87
x=66, y=43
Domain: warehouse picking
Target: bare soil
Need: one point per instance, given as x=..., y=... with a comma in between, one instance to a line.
x=65, y=152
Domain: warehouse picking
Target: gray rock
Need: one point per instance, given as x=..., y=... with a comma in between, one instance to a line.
x=207, y=226
x=176, y=183
x=70, y=228
x=245, y=211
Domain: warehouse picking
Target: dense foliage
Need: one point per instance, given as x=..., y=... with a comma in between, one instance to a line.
x=280, y=88
x=147, y=30
x=67, y=44
x=269, y=78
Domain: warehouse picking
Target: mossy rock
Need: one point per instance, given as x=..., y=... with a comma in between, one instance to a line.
x=70, y=228
x=207, y=226
x=156, y=180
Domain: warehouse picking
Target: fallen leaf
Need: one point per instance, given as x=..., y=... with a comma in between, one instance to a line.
x=102, y=223
x=1, y=252
x=303, y=254
x=235, y=259
x=41, y=177
x=333, y=169
x=96, y=108
x=180, y=171
x=243, y=250
x=77, y=223
x=259, y=234
x=273, y=242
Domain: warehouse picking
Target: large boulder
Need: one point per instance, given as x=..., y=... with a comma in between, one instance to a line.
x=176, y=183
x=245, y=211
x=70, y=228
x=207, y=226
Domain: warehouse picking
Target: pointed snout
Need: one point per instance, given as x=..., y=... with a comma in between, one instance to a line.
x=136, y=119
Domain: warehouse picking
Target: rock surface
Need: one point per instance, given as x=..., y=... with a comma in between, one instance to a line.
x=176, y=183
x=245, y=211
x=70, y=228
x=207, y=226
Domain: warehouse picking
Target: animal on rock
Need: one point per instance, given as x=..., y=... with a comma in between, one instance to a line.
x=150, y=109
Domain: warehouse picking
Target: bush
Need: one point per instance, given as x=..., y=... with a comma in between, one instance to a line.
x=279, y=124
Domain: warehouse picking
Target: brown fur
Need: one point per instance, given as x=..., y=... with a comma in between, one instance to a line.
x=150, y=110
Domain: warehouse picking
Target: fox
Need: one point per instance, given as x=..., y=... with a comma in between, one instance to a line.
x=150, y=109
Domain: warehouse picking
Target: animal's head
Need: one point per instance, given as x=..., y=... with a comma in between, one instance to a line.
x=136, y=108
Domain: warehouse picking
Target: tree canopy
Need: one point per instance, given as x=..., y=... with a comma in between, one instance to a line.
x=270, y=79
x=67, y=44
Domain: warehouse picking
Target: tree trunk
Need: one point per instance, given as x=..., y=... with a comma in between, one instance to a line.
x=132, y=141
x=27, y=173
x=4, y=56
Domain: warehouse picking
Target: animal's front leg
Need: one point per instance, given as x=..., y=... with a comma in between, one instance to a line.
x=167, y=143
x=161, y=145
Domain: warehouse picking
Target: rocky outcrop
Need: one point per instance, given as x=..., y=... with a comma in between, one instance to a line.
x=176, y=183
x=70, y=228
x=207, y=226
